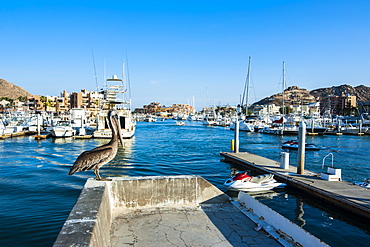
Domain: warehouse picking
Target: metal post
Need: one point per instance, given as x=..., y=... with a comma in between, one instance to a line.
x=301, y=147
x=313, y=125
x=38, y=123
x=236, y=137
x=339, y=126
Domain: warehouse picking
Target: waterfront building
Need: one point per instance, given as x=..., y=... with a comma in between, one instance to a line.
x=270, y=109
x=158, y=109
x=89, y=100
x=336, y=105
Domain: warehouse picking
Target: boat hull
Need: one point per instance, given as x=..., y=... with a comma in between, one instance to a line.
x=62, y=132
x=107, y=133
x=240, y=185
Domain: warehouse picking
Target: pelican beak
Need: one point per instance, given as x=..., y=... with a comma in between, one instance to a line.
x=119, y=131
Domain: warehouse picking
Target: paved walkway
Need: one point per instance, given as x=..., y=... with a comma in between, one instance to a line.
x=206, y=225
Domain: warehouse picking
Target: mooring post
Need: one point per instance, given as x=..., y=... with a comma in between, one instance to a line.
x=236, y=137
x=301, y=147
x=38, y=124
x=339, y=126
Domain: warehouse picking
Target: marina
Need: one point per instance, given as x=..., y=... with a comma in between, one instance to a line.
x=38, y=209
x=163, y=132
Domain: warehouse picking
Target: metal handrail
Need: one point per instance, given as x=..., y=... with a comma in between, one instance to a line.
x=323, y=161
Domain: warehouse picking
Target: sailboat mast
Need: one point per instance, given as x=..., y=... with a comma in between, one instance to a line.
x=248, y=80
x=246, y=87
x=96, y=77
x=283, y=87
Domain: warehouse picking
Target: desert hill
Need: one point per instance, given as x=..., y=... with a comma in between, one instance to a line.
x=295, y=95
x=12, y=91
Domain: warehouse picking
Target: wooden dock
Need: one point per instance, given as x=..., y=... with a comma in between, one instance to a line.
x=346, y=196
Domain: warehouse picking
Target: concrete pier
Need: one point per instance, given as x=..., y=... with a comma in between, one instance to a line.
x=344, y=195
x=158, y=211
x=174, y=211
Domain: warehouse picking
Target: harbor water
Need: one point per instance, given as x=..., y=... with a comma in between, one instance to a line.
x=37, y=194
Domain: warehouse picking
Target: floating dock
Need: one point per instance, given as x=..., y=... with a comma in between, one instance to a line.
x=346, y=196
x=170, y=211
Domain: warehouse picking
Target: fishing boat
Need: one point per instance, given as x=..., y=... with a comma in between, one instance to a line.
x=242, y=181
x=114, y=97
x=293, y=144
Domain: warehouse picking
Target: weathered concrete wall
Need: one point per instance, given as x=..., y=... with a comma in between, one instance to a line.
x=162, y=191
x=89, y=222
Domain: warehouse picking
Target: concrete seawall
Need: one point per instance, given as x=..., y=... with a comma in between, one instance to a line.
x=90, y=221
x=162, y=211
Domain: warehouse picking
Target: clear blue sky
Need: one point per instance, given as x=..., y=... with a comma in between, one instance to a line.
x=180, y=49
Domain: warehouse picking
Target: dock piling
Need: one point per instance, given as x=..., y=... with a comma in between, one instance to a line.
x=236, y=137
x=284, y=160
x=301, y=147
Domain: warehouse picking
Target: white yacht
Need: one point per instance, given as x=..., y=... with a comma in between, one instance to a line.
x=114, y=98
x=62, y=129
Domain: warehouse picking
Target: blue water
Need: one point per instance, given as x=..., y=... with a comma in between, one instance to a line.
x=36, y=193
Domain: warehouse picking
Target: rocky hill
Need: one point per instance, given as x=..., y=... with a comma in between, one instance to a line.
x=295, y=95
x=11, y=91
x=361, y=92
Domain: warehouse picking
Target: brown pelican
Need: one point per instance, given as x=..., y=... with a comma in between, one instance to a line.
x=97, y=157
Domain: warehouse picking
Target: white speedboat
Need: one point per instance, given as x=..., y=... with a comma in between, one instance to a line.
x=62, y=129
x=244, y=182
x=365, y=184
x=180, y=123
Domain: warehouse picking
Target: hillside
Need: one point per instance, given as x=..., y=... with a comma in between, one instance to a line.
x=295, y=95
x=361, y=92
x=11, y=91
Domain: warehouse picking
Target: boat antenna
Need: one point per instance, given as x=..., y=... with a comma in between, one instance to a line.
x=105, y=71
x=96, y=77
x=128, y=77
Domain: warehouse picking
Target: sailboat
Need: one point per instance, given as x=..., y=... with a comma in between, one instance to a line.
x=247, y=124
x=283, y=128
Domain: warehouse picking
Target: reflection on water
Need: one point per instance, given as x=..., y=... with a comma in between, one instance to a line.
x=299, y=213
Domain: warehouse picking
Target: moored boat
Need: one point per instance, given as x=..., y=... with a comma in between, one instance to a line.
x=180, y=123
x=114, y=93
x=62, y=129
x=365, y=184
x=242, y=181
x=293, y=144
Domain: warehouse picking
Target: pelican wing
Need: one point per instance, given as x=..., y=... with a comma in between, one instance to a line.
x=91, y=159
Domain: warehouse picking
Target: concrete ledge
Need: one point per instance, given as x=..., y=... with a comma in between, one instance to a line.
x=90, y=220
x=162, y=191
x=162, y=211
